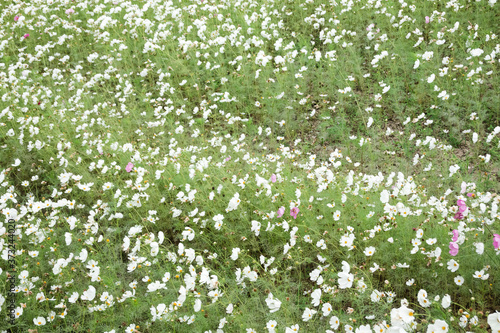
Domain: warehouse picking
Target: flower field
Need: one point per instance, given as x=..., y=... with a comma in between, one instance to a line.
x=249, y=166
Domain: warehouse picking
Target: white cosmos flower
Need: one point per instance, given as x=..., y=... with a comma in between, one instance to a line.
x=89, y=294
x=274, y=304
x=476, y=52
x=316, y=295
x=369, y=251
x=345, y=280
x=235, y=253
x=446, y=301
x=308, y=314
x=39, y=321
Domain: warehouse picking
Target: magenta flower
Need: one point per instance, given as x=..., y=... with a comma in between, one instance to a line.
x=453, y=248
x=458, y=216
x=470, y=194
x=294, y=211
x=455, y=235
x=462, y=207
x=273, y=178
x=129, y=167
x=281, y=211
x=427, y=19
x=496, y=241
x=16, y=18
x=26, y=36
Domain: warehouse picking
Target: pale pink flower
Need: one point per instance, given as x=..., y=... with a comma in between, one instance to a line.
x=453, y=248
x=129, y=167
x=16, y=18
x=273, y=178
x=427, y=19
x=455, y=235
x=294, y=211
x=496, y=241
x=281, y=211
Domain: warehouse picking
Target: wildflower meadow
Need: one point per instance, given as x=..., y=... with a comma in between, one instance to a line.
x=249, y=166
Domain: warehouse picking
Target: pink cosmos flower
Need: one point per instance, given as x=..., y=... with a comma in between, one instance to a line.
x=26, y=36
x=458, y=216
x=281, y=211
x=470, y=194
x=70, y=11
x=453, y=248
x=294, y=211
x=16, y=18
x=455, y=235
x=496, y=241
x=460, y=203
x=129, y=167
x=462, y=209
x=273, y=178
x=427, y=19
x=227, y=158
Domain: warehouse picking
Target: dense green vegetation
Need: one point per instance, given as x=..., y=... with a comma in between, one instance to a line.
x=250, y=166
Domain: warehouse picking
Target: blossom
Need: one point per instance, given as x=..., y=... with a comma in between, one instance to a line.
x=422, y=298
x=293, y=329
x=39, y=321
x=271, y=325
x=129, y=167
x=233, y=203
x=453, y=248
x=89, y=294
x=476, y=52
x=274, y=304
x=402, y=317
x=308, y=313
x=281, y=211
x=70, y=11
x=459, y=280
x=334, y=322
x=494, y=321
x=480, y=275
x=427, y=19
x=294, y=211
x=345, y=280
x=438, y=326
x=453, y=265
x=16, y=18
x=316, y=296
x=26, y=36
x=369, y=251
x=273, y=178
x=455, y=235
x=496, y=241
x=446, y=301
x=479, y=248
x=235, y=253
x=327, y=308
x=364, y=329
